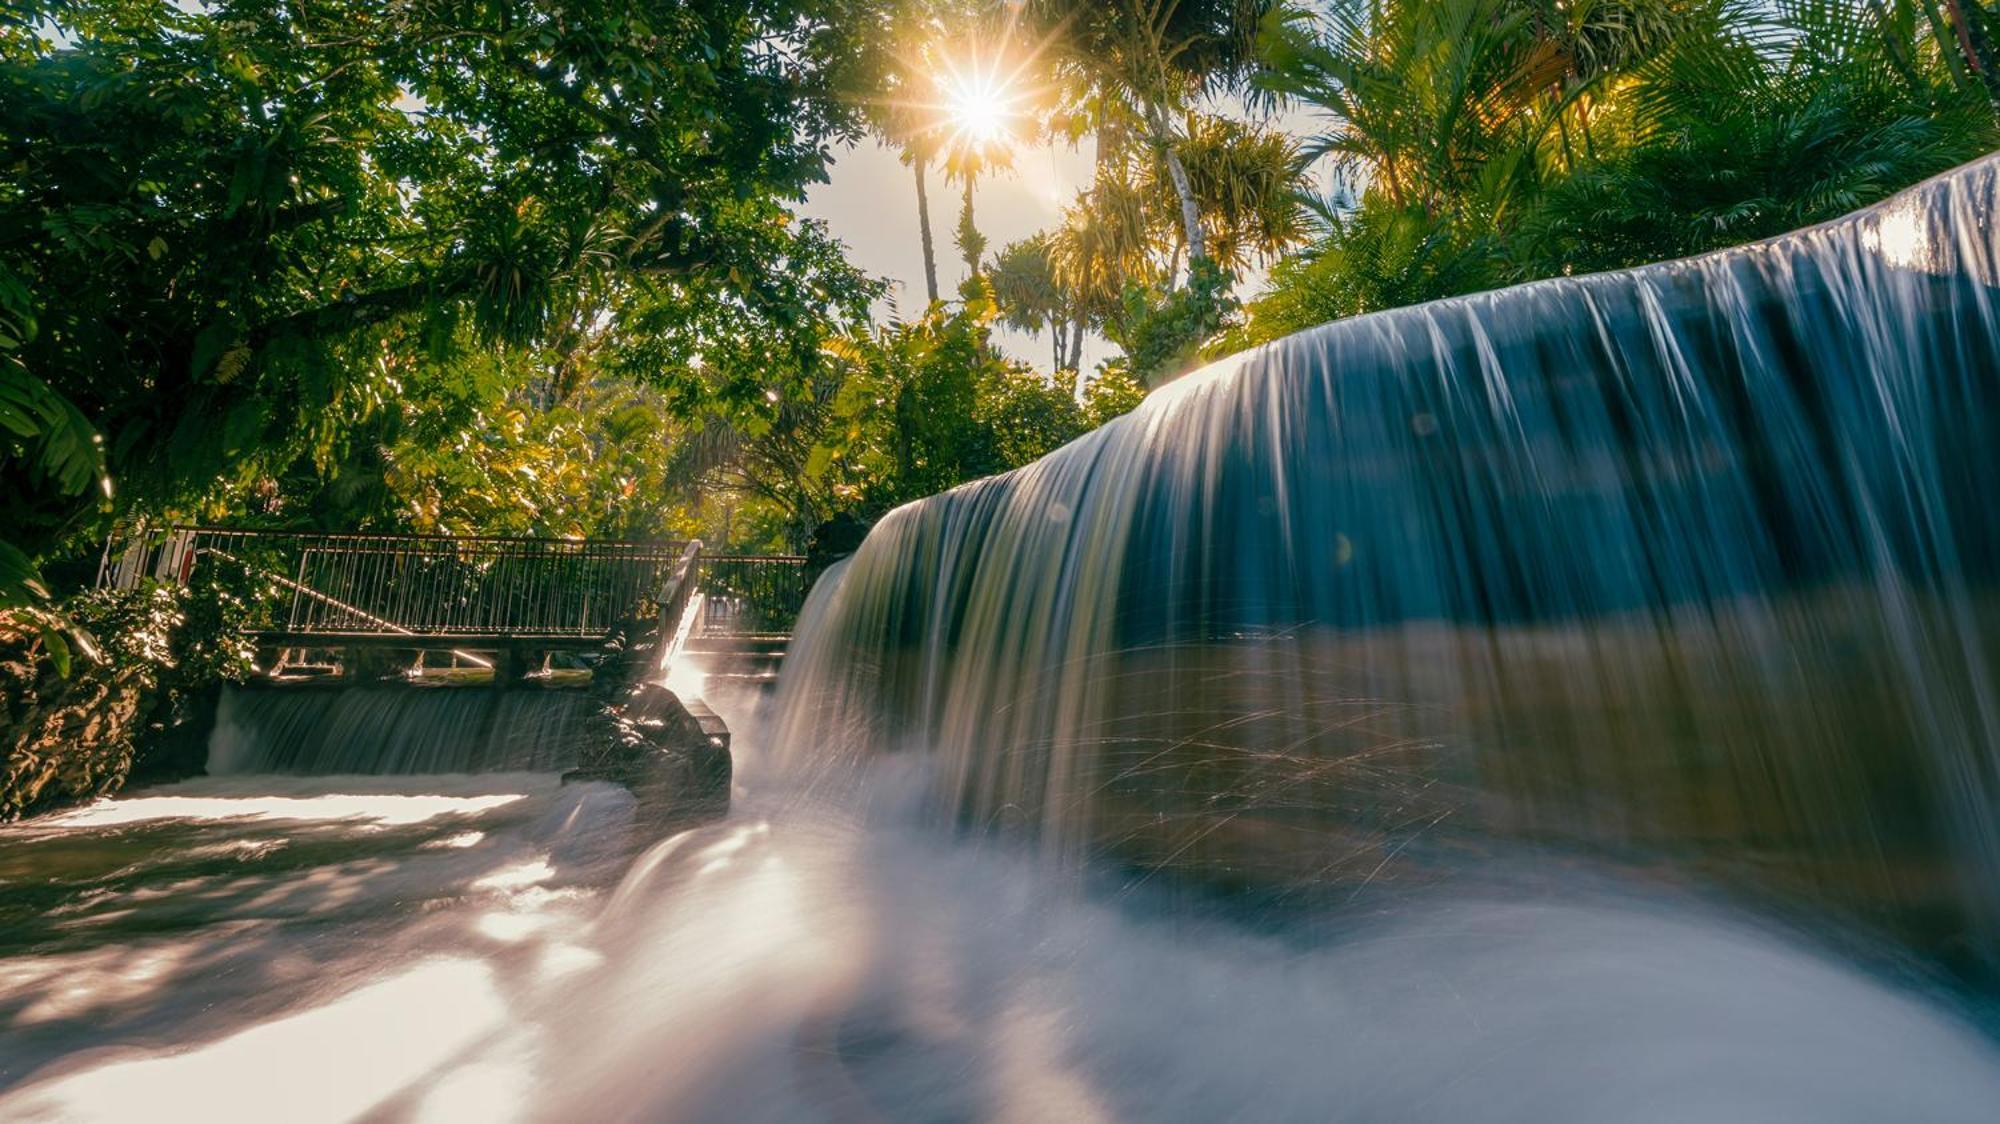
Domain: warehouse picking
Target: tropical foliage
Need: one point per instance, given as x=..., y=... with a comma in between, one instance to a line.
x=540, y=268
x=892, y=413
x=231, y=232
x=1482, y=142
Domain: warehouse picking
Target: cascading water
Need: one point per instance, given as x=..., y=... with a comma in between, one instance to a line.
x=1693, y=562
x=1476, y=644
x=399, y=729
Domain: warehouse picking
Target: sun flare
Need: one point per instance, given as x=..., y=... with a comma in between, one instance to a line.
x=982, y=111
x=981, y=102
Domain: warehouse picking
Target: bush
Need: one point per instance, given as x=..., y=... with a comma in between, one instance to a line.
x=140, y=693
x=1163, y=333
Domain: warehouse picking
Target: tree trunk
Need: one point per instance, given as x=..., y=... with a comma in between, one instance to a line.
x=1190, y=211
x=1978, y=51
x=924, y=228
x=1076, y=348
x=970, y=242
x=1944, y=33
x=1897, y=50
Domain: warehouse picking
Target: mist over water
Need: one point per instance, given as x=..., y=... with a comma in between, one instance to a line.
x=1694, y=565
x=467, y=948
x=822, y=960
x=1572, y=703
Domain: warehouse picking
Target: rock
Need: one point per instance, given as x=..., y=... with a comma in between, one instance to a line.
x=172, y=743
x=672, y=756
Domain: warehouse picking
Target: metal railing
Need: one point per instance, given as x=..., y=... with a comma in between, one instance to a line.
x=423, y=585
x=474, y=586
x=751, y=594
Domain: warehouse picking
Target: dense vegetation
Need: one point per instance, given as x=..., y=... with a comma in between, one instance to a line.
x=532, y=267
x=1484, y=142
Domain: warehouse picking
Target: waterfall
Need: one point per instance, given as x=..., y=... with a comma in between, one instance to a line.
x=1691, y=567
x=1391, y=723
x=398, y=729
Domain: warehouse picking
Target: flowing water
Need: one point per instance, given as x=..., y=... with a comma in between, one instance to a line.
x=1570, y=703
x=309, y=728
x=1693, y=565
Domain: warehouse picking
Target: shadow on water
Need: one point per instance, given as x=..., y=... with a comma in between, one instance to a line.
x=176, y=917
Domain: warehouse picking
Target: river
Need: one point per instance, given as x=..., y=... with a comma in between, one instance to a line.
x=500, y=947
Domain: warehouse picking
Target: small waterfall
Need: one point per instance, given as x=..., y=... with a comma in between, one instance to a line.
x=398, y=729
x=1690, y=567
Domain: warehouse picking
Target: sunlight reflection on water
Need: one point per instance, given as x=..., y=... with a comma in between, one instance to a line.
x=380, y=808
x=388, y=1034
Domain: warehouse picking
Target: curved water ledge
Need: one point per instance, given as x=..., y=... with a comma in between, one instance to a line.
x=1692, y=565
x=1693, y=595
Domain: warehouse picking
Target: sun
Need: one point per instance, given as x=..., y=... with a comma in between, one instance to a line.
x=981, y=103
x=981, y=110
x=967, y=99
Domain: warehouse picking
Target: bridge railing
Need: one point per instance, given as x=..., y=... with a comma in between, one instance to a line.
x=473, y=586
x=751, y=594
x=353, y=584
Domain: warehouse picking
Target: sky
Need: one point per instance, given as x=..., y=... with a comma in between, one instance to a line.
x=870, y=203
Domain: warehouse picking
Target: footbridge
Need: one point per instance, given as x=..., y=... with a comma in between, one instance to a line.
x=502, y=601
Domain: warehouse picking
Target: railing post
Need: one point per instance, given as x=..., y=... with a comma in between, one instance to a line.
x=506, y=669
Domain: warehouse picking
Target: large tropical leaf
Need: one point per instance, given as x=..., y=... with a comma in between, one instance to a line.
x=54, y=442
x=21, y=584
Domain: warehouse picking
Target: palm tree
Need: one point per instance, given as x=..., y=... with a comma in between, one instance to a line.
x=1498, y=140
x=918, y=146
x=905, y=114
x=1970, y=55
x=1250, y=182
x=1771, y=121
x=983, y=141
x=1031, y=299
x=919, y=160
x=964, y=160
x=1139, y=65
x=914, y=106
x=1459, y=108
x=1424, y=99
x=982, y=109
x=1105, y=242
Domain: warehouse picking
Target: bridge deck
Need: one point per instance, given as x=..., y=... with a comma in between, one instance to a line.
x=479, y=592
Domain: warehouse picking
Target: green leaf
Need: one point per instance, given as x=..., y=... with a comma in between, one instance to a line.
x=21, y=584
x=240, y=428
x=64, y=448
x=52, y=639
x=18, y=412
x=72, y=452
x=209, y=346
